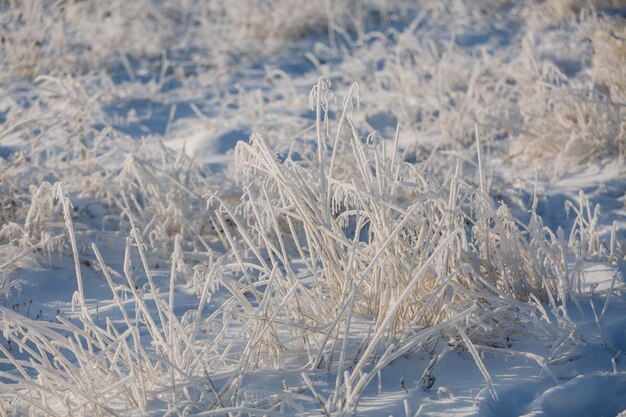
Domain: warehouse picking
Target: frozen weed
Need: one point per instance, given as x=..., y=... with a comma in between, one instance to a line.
x=346, y=236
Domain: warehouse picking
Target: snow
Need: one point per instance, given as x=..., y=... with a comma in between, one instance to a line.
x=575, y=396
x=197, y=159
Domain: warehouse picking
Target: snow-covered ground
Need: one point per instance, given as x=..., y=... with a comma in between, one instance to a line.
x=282, y=207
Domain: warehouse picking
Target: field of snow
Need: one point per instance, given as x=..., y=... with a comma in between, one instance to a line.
x=312, y=208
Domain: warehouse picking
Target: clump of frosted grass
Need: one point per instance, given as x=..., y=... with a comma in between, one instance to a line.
x=532, y=105
x=383, y=242
x=573, y=118
x=346, y=245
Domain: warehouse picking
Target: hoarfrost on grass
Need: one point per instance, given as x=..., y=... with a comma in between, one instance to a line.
x=212, y=228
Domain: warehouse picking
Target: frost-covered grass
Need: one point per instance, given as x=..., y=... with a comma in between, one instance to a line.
x=68, y=36
x=217, y=225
